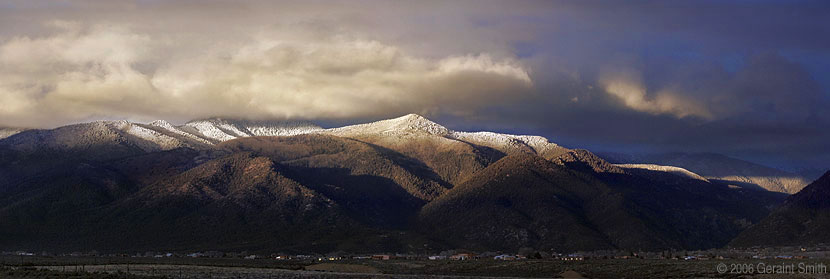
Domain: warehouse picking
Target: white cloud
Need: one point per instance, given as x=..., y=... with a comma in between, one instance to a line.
x=628, y=87
x=81, y=73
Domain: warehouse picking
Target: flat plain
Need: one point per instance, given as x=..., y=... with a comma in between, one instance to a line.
x=123, y=267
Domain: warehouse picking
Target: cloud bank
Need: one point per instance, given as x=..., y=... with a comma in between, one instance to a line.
x=80, y=73
x=629, y=88
x=745, y=79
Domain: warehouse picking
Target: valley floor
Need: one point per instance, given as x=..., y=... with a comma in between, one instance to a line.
x=67, y=267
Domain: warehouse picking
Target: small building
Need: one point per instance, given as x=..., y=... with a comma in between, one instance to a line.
x=462, y=256
x=505, y=257
x=383, y=257
x=438, y=257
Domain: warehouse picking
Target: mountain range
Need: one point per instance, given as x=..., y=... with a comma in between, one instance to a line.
x=402, y=184
x=721, y=168
x=803, y=220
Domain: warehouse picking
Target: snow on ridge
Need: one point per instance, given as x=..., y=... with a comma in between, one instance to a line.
x=230, y=128
x=166, y=126
x=222, y=130
x=668, y=169
x=163, y=141
x=8, y=132
x=165, y=135
x=539, y=144
x=161, y=123
x=410, y=123
x=152, y=140
x=162, y=135
x=417, y=122
x=259, y=130
x=413, y=124
x=209, y=130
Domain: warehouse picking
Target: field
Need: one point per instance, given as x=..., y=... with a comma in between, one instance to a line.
x=71, y=267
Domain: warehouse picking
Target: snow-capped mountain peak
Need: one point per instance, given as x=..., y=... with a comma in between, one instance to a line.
x=416, y=125
x=407, y=124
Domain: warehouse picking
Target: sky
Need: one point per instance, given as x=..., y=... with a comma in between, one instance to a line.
x=750, y=79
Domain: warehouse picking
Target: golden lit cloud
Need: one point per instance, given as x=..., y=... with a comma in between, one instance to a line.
x=80, y=73
x=629, y=88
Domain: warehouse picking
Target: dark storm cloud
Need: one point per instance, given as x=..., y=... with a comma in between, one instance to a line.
x=724, y=25
x=769, y=110
x=691, y=76
x=747, y=78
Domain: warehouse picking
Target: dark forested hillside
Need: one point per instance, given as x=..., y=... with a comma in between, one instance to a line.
x=404, y=184
x=804, y=219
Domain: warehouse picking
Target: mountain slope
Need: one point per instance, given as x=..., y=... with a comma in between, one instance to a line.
x=35, y=153
x=403, y=184
x=315, y=152
x=804, y=219
x=306, y=193
x=236, y=200
x=651, y=168
x=521, y=200
x=453, y=155
x=57, y=204
x=580, y=202
x=720, y=168
x=154, y=136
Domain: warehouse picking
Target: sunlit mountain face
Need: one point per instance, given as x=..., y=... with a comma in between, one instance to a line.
x=500, y=130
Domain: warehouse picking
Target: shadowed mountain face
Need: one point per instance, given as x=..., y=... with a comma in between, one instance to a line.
x=721, y=169
x=404, y=184
x=231, y=201
x=804, y=219
x=579, y=202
